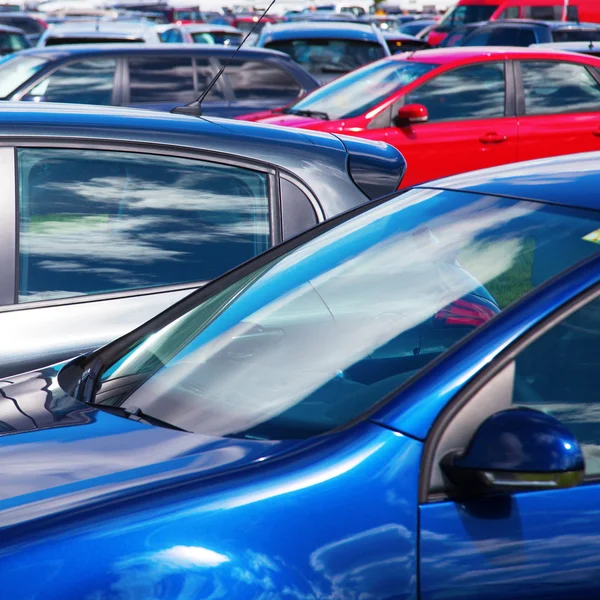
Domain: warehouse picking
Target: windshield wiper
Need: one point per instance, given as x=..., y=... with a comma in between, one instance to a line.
x=306, y=113
x=135, y=414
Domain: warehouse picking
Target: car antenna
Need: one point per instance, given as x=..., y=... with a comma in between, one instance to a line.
x=194, y=109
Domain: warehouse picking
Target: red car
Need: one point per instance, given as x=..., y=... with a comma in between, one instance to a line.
x=458, y=109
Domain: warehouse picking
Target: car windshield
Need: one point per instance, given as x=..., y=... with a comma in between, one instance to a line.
x=315, y=338
x=15, y=70
x=414, y=28
x=576, y=35
x=361, y=90
x=319, y=56
x=227, y=39
x=462, y=14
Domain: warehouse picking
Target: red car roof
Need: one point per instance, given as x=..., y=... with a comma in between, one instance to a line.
x=444, y=56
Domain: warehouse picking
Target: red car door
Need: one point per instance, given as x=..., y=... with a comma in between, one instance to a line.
x=468, y=126
x=559, y=110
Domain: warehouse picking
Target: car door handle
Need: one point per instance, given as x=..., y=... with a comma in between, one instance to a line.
x=492, y=138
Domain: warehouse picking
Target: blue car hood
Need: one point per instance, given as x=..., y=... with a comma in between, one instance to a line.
x=58, y=454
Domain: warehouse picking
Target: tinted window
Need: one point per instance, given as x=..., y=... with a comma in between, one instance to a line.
x=204, y=75
x=558, y=87
x=558, y=374
x=259, y=80
x=576, y=35
x=543, y=13
x=297, y=212
x=11, y=42
x=97, y=221
x=171, y=36
x=319, y=56
x=84, y=82
x=475, y=92
x=316, y=337
x=572, y=13
x=510, y=13
x=227, y=39
x=501, y=36
x=466, y=14
x=80, y=39
x=158, y=79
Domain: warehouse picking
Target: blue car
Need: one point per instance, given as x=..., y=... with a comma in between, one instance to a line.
x=400, y=403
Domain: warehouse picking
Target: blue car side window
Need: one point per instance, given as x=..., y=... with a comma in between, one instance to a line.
x=558, y=374
x=94, y=221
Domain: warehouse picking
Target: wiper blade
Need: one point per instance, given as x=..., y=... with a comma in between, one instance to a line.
x=135, y=414
x=306, y=113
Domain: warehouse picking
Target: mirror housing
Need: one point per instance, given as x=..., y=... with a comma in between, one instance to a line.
x=516, y=450
x=412, y=113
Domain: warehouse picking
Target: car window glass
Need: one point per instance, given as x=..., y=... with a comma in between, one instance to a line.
x=543, y=13
x=475, y=92
x=254, y=80
x=512, y=12
x=29, y=26
x=463, y=13
x=158, y=79
x=558, y=87
x=11, y=42
x=576, y=35
x=325, y=331
x=16, y=69
x=83, y=82
x=322, y=56
x=95, y=221
x=558, y=374
x=204, y=75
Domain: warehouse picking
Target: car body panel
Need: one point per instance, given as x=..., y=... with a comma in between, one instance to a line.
x=158, y=511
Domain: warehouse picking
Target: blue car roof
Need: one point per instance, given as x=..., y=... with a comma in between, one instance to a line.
x=321, y=29
x=572, y=180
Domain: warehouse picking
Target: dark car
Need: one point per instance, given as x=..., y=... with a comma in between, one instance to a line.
x=416, y=26
x=326, y=49
x=521, y=32
x=12, y=40
x=33, y=25
x=111, y=215
x=155, y=77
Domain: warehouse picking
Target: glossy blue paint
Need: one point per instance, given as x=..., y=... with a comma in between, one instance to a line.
x=96, y=506
x=414, y=411
x=533, y=545
x=522, y=440
x=550, y=180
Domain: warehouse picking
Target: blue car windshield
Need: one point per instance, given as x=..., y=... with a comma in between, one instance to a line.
x=315, y=338
x=356, y=93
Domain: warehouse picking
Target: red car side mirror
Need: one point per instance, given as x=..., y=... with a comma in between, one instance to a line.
x=412, y=113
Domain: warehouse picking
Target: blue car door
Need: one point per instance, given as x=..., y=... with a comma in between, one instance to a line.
x=533, y=544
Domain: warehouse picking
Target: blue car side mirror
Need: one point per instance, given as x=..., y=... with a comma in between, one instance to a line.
x=515, y=450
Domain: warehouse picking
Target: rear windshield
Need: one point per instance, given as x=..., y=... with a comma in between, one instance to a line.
x=187, y=15
x=322, y=56
x=313, y=339
x=16, y=70
x=462, y=14
x=227, y=39
x=576, y=35
x=59, y=41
